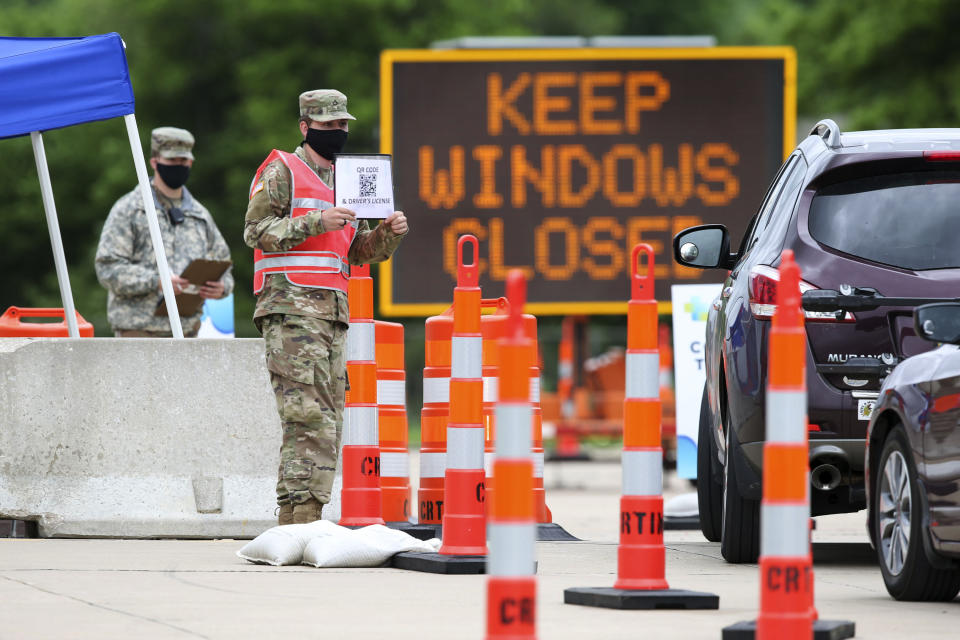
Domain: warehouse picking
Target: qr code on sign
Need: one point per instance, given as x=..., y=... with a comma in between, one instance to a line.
x=368, y=185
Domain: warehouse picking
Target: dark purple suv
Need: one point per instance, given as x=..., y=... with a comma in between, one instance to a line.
x=871, y=216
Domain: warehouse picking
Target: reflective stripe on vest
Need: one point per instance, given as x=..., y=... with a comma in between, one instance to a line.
x=320, y=261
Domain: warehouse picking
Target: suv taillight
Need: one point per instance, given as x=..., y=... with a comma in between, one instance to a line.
x=941, y=156
x=763, y=297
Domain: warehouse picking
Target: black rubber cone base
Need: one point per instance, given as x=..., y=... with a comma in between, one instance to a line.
x=679, y=523
x=611, y=598
x=822, y=630
x=552, y=532
x=18, y=529
x=439, y=563
x=418, y=531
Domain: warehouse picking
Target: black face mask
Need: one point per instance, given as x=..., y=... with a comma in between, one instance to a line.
x=326, y=142
x=173, y=175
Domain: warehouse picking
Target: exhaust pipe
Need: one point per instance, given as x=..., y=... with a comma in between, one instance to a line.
x=825, y=477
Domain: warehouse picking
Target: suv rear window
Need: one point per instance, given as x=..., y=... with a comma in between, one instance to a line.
x=905, y=220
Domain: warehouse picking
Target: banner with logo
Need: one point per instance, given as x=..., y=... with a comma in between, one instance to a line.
x=691, y=305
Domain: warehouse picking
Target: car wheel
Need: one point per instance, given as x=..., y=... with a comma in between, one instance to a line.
x=740, y=527
x=898, y=527
x=709, y=490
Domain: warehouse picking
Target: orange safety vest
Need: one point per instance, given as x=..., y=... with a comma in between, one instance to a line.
x=319, y=262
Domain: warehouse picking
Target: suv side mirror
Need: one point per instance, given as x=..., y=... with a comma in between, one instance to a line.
x=704, y=247
x=938, y=322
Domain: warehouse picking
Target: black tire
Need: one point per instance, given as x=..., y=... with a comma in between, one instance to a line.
x=709, y=489
x=740, y=527
x=909, y=575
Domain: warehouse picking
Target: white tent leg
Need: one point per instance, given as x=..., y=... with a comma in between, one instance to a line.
x=56, y=242
x=155, y=236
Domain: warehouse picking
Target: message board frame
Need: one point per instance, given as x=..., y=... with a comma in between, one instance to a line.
x=787, y=55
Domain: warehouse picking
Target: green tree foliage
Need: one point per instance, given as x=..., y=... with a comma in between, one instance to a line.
x=877, y=65
x=230, y=72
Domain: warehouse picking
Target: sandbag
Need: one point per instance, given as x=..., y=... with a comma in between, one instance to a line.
x=370, y=546
x=284, y=545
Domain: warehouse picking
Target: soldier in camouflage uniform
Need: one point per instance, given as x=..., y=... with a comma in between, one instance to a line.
x=125, y=262
x=304, y=327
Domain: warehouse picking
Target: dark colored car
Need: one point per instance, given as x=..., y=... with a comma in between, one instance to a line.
x=867, y=214
x=913, y=466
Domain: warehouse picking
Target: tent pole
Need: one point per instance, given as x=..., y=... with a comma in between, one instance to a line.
x=56, y=242
x=158, y=250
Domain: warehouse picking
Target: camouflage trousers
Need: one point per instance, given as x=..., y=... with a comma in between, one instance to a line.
x=306, y=358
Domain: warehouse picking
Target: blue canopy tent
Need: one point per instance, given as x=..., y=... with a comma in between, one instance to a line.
x=49, y=83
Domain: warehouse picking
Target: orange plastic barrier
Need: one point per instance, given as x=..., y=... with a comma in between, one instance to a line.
x=361, y=496
x=512, y=583
x=13, y=326
x=434, y=416
x=392, y=427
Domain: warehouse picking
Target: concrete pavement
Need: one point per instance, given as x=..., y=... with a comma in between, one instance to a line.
x=200, y=589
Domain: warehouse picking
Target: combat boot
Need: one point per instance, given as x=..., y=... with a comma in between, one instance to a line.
x=286, y=514
x=307, y=511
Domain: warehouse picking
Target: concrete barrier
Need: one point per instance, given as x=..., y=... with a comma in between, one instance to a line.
x=140, y=438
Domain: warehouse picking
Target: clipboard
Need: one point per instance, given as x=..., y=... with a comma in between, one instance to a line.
x=198, y=272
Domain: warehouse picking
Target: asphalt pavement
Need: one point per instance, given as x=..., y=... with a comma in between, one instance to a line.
x=200, y=589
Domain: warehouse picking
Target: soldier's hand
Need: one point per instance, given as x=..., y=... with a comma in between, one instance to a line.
x=397, y=223
x=213, y=290
x=337, y=218
x=178, y=284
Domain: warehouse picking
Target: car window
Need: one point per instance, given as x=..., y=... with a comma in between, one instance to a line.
x=776, y=224
x=760, y=221
x=909, y=220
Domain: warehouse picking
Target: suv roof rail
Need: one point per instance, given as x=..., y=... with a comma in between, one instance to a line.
x=829, y=131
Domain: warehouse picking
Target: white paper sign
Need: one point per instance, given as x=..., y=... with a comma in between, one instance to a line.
x=691, y=304
x=363, y=183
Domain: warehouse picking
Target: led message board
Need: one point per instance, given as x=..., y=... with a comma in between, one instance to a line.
x=559, y=161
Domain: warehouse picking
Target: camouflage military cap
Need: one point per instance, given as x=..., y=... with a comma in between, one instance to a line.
x=171, y=142
x=324, y=105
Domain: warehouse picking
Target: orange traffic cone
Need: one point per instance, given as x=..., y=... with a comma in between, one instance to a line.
x=786, y=562
x=512, y=585
x=464, y=523
x=640, y=557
